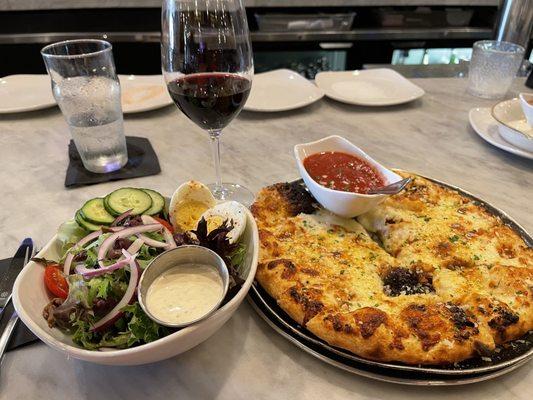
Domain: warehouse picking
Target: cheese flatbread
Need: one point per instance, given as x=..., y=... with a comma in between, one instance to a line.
x=427, y=277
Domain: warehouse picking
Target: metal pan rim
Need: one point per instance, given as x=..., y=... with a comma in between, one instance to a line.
x=455, y=381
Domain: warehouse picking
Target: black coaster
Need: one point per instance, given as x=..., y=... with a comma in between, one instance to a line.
x=22, y=335
x=142, y=161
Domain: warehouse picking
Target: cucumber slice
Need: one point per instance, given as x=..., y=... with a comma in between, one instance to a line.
x=84, y=223
x=158, y=202
x=94, y=211
x=109, y=209
x=122, y=200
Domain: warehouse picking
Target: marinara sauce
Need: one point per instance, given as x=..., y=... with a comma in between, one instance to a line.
x=341, y=171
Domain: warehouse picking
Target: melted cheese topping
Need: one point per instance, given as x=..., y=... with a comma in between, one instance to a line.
x=444, y=278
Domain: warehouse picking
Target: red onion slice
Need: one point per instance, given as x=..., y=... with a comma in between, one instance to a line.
x=135, y=247
x=129, y=294
x=121, y=217
x=146, y=219
x=171, y=244
x=68, y=260
x=132, y=231
x=92, y=272
x=169, y=239
x=151, y=242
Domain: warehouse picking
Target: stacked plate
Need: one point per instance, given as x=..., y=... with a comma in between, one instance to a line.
x=374, y=87
x=283, y=89
x=23, y=93
x=504, y=360
x=143, y=93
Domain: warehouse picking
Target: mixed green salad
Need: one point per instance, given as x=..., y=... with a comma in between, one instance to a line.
x=104, y=250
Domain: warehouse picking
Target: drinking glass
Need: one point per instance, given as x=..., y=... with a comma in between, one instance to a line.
x=206, y=58
x=87, y=90
x=493, y=67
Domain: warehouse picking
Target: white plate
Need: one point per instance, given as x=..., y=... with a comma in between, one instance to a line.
x=20, y=93
x=487, y=127
x=373, y=87
x=143, y=93
x=30, y=297
x=281, y=90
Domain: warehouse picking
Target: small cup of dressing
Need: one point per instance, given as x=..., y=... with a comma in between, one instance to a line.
x=183, y=286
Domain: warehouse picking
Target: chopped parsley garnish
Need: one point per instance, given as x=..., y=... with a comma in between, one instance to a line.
x=453, y=238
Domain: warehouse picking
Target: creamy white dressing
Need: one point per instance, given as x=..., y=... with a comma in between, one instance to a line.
x=184, y=293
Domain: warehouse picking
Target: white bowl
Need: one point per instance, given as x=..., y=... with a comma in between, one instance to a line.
x=526, y=101
x=345, y=204
x=30, y=297
x=512, y=124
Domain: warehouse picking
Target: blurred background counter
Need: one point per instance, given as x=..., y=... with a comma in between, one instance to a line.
x=305, y=35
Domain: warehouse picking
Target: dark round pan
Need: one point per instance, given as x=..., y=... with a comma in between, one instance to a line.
x=509, y=356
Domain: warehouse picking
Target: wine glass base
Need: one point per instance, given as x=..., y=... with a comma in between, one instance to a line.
x=232, y=191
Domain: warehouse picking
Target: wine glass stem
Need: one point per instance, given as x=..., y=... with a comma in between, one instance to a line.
x=215, y=147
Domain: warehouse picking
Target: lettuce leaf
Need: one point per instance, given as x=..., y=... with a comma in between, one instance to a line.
x=132, y=329
x=68, y=234
x=155, y=235
x=105, y=286
x=237, y=257
x=92, y=258
x=78, y=291
x=83, y=336
x=142, y=329
x=146, y=255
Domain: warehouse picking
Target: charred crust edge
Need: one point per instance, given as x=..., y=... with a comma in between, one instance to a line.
x=298, y=198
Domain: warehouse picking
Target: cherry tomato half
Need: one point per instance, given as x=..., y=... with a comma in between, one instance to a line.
x=165, y=223
x=55, y=281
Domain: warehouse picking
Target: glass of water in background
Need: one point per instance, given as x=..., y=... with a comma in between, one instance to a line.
x=493, y=67
x=87, y=90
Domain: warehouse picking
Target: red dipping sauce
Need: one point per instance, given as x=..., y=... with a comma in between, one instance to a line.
x=341, y=171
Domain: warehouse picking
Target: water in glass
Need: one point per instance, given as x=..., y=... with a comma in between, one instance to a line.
x=91, y=106
x=86, y=88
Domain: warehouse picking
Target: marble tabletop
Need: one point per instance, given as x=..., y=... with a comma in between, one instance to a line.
x=246, y=359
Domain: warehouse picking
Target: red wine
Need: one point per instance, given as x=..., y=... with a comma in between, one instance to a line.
x=210, y=100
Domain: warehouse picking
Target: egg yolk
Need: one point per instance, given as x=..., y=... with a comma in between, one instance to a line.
x=214, y=222
x=187, y=214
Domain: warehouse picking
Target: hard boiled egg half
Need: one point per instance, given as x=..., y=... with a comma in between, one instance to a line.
x=188, y=203
x=231, y=211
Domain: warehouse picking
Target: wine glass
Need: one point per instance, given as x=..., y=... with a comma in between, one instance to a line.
x=206, y=58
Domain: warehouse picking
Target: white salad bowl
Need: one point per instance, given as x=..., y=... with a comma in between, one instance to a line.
x=344, y=204
x=30, y=297
x=512, y=124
